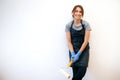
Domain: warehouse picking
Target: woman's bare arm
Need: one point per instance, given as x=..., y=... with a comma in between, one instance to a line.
x=70, y=46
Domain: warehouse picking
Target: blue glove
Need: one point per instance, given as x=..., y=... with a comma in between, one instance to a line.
x=72, y=55
x=76, y=57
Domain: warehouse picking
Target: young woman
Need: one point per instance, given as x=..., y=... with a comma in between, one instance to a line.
x=77, y=33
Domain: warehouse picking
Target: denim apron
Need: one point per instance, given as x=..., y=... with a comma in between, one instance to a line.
x=77, y=39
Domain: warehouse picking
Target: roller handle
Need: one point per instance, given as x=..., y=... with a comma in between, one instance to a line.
x=70, y=63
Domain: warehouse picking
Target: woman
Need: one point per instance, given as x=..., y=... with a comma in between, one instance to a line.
x=77, y=33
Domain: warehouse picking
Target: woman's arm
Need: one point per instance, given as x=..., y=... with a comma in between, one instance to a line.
x=86, y=40
x=70, y=46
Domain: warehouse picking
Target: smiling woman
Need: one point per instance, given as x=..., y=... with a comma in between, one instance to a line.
x=77, y=33
x=33, y=43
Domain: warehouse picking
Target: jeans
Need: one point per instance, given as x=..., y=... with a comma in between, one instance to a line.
x=78, y=72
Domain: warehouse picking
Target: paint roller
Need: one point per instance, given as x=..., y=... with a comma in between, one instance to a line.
x=65, y=73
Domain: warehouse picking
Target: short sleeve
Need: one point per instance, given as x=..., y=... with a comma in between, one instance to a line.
x=87, y=25
x=67, y=27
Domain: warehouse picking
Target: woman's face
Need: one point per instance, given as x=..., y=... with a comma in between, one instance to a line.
x=77, y=14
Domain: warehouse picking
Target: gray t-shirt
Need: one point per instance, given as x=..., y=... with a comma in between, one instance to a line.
x=85, y=23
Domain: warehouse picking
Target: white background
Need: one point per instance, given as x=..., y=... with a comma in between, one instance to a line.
x=33, y=43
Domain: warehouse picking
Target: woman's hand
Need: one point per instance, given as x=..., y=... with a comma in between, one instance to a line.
x=76, y=57
x=72, y=55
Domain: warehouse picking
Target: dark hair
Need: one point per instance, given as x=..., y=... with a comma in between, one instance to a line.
x=79, y=7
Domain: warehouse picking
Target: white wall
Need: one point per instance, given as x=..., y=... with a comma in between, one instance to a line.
x=33, y=43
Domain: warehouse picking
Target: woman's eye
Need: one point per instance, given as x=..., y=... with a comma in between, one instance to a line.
x=78, y=11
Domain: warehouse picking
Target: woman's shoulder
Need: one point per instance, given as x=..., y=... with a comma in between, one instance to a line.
x=69, y=23
x=86, y=24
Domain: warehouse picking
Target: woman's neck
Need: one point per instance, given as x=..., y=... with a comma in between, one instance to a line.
x=77, y=22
